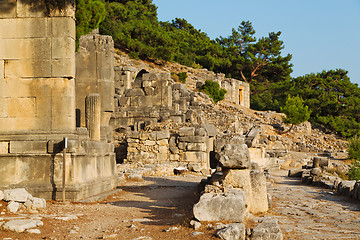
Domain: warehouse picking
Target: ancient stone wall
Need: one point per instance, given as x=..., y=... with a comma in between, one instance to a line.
x=37, y=105
x=37, y=67
x=95, y=74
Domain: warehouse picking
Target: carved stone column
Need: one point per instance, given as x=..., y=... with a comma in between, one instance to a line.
x=93, y=115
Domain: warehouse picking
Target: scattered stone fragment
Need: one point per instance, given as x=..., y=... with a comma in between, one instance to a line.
x=35, y=231
x=22, y=225
x=267, y=230
x=13, y=207
x=234, y=231
x=235, y=156
x=195, y=224
x=197, y=233
x=171, y=229
x=17, y=195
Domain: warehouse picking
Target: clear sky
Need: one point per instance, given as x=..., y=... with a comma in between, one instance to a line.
x=320, y=34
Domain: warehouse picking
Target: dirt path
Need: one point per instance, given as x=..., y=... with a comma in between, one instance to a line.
x=157, y=208
x=307, y=212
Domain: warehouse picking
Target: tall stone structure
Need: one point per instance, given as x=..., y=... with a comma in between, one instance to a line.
x=37, y=105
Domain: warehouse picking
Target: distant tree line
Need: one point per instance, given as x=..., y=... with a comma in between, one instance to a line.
x=334, y=102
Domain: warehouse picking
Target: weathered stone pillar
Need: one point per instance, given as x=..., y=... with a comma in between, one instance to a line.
x=93, y=115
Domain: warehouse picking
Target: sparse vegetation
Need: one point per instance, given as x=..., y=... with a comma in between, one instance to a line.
x=295, y=110
x=213, y=89
x=354, y=153
x=182, y=76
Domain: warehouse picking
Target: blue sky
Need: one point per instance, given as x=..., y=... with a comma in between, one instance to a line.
x=320, y=34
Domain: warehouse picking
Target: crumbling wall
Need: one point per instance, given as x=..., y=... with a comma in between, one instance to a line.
x=95, y=74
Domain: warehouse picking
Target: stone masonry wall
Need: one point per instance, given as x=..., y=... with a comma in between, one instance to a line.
x=37, y=67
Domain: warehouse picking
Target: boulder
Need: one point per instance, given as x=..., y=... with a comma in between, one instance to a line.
x=17, y=195
x=346, y=187
x=229, y=206
x=233, y=231
x=267, y=230
x=235, y=156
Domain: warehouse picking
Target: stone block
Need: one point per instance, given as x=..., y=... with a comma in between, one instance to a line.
x=149, y=143
x=182, y=145
x=27, y=68
x=187, y=131
x=62, y=47
x=193, y=139
x=200, y=132
x=229, y=206
x=24, y=28
x=201, y=147
x=165, y=134
x=163, y=149
x=267, y=229
x=2, y=70
x=64, y=67
x=63, y=27
x=210, y=129
x=259, y=199
x=174, y=157
x=134, y=92
x=198, y=157
x=232, y=231
x=28, y=147
x=235, y=156
x=7, y=9
x=321, y=162
x=4, y=147
x=17, y=195
x=3, y=107
x=21, y=107
x=163, y=142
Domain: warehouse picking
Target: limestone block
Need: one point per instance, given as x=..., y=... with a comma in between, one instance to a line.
x=267, y=229
x=149, y=91
x=13, y=207
x=198, y=157
x=63, y=27
x=321, y=162
x=21, y=107
x=187, y=131
x=162, y=157
x=165, y=134
x=17, y=195
x=62, y=47
x=232, y=231
x=4, y=147
x=210, y=129
x=7, y=9
x=27, y=68
x=196, y=147
x=200, y=132
x=3, y=107
x=163, y=142
x=163, y=149
x=259, y=199
x=229, y=206
x=28, y=147
x=174, y=157
x=193, y=139
x=63, y=67
x=235, y=156
x=2, y=71
x=149, y=143
x=31, y=9
x=21, y=225
x=134, y=92
x=137, y=101
x=24, y=28
x=106, y=91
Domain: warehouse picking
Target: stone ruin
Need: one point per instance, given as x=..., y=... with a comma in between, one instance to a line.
x=50, y=95
x=38, y=98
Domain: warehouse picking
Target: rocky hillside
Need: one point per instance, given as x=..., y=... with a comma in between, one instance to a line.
x=269, y=125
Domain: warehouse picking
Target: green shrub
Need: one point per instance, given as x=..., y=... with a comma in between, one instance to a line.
x=182, y=76
x=354, y=153
x=214, y=91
